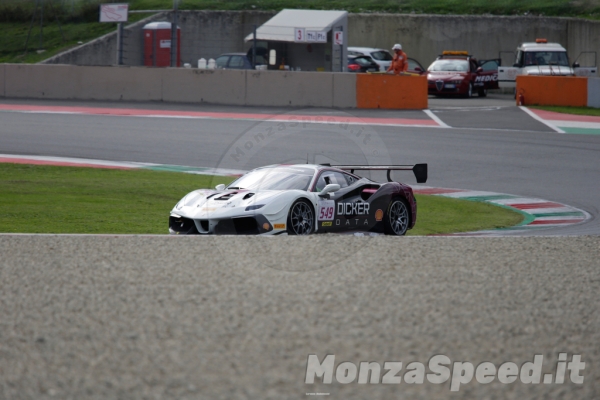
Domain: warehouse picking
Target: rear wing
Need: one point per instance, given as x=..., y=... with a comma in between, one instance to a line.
x=420, y=170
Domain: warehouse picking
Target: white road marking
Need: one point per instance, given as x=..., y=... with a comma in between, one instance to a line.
x=436, y=119
x=536, y=117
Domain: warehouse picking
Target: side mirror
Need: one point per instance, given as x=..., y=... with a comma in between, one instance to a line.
x=516, y=65
x=220, y=187
x=479, y=70
x=332, y=187
x=576, y=65
x=418, y=69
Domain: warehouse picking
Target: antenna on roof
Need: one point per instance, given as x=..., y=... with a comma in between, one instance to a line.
x=307, y=158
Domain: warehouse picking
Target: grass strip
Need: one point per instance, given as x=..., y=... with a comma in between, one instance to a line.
x=86, y=8
x=14, y=38
x=49, y=199
x=441, y=215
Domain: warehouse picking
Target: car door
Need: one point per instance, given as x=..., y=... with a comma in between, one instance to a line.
x=344, y=210
x=221, y=62
x=488, y=74
x=236, y=62
x=382, y=58
x=585, y=64
x=415, y=67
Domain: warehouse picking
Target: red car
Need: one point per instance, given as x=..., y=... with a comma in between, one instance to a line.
x=459, y=73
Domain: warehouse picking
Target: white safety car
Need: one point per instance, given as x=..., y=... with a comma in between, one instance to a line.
x=541, y=58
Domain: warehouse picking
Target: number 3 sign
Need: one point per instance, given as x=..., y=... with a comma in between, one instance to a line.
x=299, y=35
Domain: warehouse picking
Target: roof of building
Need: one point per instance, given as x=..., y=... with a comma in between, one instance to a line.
x=281, y=26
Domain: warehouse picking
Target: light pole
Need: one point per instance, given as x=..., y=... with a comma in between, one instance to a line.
x=174, y=35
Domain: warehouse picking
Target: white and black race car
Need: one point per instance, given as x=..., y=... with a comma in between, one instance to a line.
x=299, y=200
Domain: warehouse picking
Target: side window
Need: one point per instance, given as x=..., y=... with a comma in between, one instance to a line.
x=413, y=65
x=381, y=55
x=222, y=61
x=518, y=59
x=473, y=66
x=488, y=66
x=236, y=62
x=329, y=177
x=350, y=179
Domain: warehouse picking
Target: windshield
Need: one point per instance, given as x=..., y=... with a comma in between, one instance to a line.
x=449, y=65
x=381, y=55
x=546, y=58
x=280, y=178
x=363, y=60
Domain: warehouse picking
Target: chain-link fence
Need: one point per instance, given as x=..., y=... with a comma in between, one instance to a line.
x=202, y=35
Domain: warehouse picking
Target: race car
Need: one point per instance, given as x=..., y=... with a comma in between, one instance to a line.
x=459, y=73
x=299, y=200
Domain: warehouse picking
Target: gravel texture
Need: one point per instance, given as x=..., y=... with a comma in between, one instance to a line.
x=236, y=317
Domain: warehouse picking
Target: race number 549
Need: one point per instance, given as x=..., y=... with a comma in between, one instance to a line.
x=326, y=210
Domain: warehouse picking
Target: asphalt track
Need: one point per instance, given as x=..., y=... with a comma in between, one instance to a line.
x=491, y=145
x=236, y=318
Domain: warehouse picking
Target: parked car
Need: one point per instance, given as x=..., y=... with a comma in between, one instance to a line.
x=240, y=60
x=362, y=64
x=382, y=57
x=541, y=58
x=459, y=73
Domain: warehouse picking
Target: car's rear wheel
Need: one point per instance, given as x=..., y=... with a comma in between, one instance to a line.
x=301, y=218
x=482, y=92
x=397, y=218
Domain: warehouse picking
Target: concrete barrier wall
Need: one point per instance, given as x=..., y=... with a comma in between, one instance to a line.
x=424, y=37
x=2, y=80
x=569, y=91
x=583, y=35
x=84, y=83
x=204, y=86
x=285, y=88
x=230, y=87
x=103, y=50
x=344, y=90
x=210, y=33
x=119, y=83
x=593, y=91
x=203, y=34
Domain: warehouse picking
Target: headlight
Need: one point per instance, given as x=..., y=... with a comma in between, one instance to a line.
x=254, y=207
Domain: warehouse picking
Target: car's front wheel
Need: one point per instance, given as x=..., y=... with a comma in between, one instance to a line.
x=301, y=218
x=397, y=218
x=469, y=93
